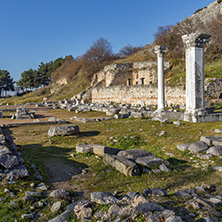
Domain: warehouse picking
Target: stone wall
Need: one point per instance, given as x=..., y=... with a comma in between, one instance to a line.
x=118, y=74
x=136, y=94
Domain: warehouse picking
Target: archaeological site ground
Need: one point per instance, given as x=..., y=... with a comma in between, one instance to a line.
x=139, y=139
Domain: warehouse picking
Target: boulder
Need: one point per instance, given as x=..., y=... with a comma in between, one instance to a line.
x=150, y=161
x=215, y=150
x=103, y=198
x=63, y=130
x=125, y=166
x=133, y=154
x=198, y=147
x=101, y=150
x=17, y=172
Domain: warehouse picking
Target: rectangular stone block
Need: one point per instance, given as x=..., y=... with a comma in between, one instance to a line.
x=100, y=150
x=125, y=166
x=150, y=161
x=134, y=153
x=85, y=148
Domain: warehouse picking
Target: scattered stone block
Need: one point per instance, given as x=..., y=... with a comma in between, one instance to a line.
x=212, y=140
x=103, y=198
x=218, y=130
x=215, y=150
x=8, y=161
x=1, y=114
x=178, y=123
x=198, y=147
x=84, y=148
x=56, y=207
x=164, y=168
x=62, y=193
x=112, y=111
x=101, y=150
x=125, y=166
x=17, y=172
x=184, y=146
x=147, y=207
x=63, y=130
x=217, y=168
x=150, y=161
x=133, y=154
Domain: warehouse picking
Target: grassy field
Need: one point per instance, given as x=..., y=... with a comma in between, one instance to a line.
x=123, y=134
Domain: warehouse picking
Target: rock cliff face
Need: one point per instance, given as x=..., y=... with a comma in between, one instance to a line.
x=208, y=13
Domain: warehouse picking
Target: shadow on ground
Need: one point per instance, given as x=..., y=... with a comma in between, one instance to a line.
x=54, y=164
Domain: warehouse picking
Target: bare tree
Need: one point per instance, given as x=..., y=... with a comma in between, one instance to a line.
x=128, y=50
x=97, y=56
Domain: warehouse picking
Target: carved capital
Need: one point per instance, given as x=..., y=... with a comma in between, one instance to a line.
x=159, y=49
x=195, y=40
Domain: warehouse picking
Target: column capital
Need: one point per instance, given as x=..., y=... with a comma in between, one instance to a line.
x=159, y=49
x=197, y=40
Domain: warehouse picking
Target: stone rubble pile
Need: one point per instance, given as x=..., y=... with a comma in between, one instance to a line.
x=207, y=147
x=12, y=162
x=23, y=113
x=154, y=205
x=126, y=161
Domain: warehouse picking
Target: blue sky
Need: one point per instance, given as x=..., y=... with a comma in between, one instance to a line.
x=35, y=31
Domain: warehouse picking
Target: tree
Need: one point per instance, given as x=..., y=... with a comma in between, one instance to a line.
x=6, y=82
x=96, y=57
x=29, y=79
x=128, y=50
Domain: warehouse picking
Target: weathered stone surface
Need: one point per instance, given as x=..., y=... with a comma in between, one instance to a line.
x=27, y=216
x=8, y=161
x=198, y=147
x=212, y=140
x=101, y=150
x=125, y=166
x=164, y=168
x=112, y=111
x=215, y=150
x=62, y=217
x=17, y=172
x=41, y=186
x=56, y=207
x=184, y=146
x=84, y=148
x=103, y=198
x=114, y=209
x=147, y=207
x=218, y=168
x=174, y=219
x=62, y=193
x=150, y=161
x=134, y=153
x=63, y=130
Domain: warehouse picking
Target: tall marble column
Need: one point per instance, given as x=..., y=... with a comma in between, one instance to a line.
x=160, y=50
x=195, y=96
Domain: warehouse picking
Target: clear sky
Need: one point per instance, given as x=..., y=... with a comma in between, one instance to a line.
x=35, y=31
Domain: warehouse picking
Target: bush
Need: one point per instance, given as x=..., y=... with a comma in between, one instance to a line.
x=219, y=1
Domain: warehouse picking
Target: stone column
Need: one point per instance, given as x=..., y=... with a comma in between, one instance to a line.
x=195, y=97
x=160, y=50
